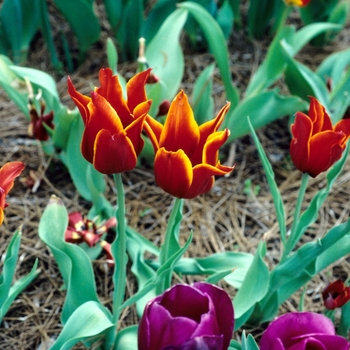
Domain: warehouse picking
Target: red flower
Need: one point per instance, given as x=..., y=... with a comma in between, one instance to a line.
x=336, y=295
x=300, y=3
x=81, y=229
x=112, y=136
x=7, y=175
x=186, y=155
x=38, y=122
x=316, y=143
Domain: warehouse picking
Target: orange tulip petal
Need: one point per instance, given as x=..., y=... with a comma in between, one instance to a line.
x=319, y=117
x=80, y=100
x=211, y=148
x=113, y=153
x=325, y=149
x=300, y=144
x=133, y=132
x=173, y=172
x=1, y=216
x=180, y=129
x=135, y=88
x=112, y=91
x=343, y=126
x=153, y=129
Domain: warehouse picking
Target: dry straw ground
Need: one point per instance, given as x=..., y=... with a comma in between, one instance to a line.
x=227, y=218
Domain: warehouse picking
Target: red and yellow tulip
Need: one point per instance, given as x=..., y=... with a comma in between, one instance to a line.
x=316, y=143
x=113, y=125
x=186, y=155
x=8, y=173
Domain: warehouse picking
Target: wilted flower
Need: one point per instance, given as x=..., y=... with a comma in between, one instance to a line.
x=336, y=295
x=187, y=317
x=113, y=126
x=8, y=173
x=81, y=229
x=302, y=331
x=39, y=122
x=300, y=3
x=316, y=143
x=186, y=155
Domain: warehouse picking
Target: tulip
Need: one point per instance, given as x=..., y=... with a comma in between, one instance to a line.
x=316, y=143
x=39, y=122
x=302, y=331
x=299, y=3
x=336, y=295
x=112, y=135
x=7, y=175
x=188, y=318
x=186, y=155
x=81, y=229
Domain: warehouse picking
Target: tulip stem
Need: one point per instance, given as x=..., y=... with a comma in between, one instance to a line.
x=294, y=235
x=171, y=242
x=119, y=252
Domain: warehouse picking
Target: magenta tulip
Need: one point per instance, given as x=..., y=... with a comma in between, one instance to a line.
x=302, y=331
x=187, y=318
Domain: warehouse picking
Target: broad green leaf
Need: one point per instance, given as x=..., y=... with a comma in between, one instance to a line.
x=303, y=82
x=79, y=168
x=164, y=55
x=162, y=272
x=217, y=45
x=44, y=82
x=114, y=11
x=225, y=18
x=75, y=266
x=262, y=109
x=235, y=345
x=79, y=13
x=17, y=288
x=202, y=100
x=127, y=338
x=255, y=284
x=248, y=343
x=9, y=267
x=20, y=22
x=63, y=122
x=112, y=55
x=90, y=319
x=344, y=325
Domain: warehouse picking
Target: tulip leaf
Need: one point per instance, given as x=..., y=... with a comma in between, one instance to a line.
x=248, y=343
x=310, y=215
x=89, y=320
x=17, y=288
x=254, y=286
x=272, y=106
x=202, y=100
x=344, y=325
x=79, y=168
x=74, y=265
x=162, y=273
x=302, y=82
x=78, y=13
x=217, y=45
x=127, y=338
x=164, y=55
x=275, y=193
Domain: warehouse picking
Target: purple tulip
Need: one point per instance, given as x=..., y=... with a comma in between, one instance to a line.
x=302, y=331
x=187, y=318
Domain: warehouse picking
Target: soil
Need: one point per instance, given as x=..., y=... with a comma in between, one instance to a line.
x=228, y=218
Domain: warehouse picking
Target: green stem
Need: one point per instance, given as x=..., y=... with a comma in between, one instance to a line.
x=294, y=235
x=280, y=23
x=120, y=258
x=168, y=249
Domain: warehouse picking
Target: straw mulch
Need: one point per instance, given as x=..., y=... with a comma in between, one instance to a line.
x=228, y=218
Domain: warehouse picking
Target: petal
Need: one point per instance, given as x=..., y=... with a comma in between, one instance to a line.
x=321, y=341
x=223, y=309
x=300, y=144
x=204, y=342
x=112, y=91
x=294, y=324
x=211, y=147
x=80, y=100
x=136, y=89
x=320, y=119
x=344, y=126
x=153, y=129
x=173, y=172
x=180, y=128
x=1, y=215
x=8, y=173
x=325, y=149
x=113, y=154
x=206, y=130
